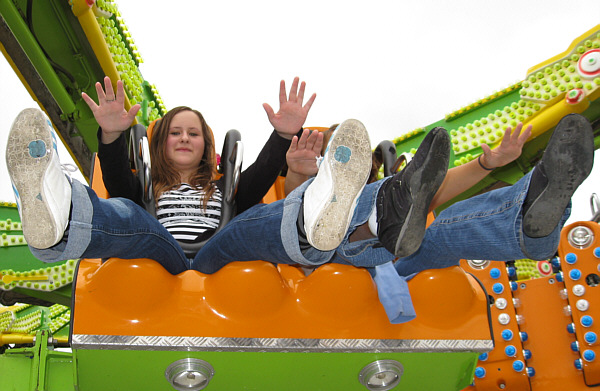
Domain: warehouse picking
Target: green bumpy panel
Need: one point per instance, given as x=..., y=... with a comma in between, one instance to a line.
x=19, y=268
x=127, y=60
x=28, y=319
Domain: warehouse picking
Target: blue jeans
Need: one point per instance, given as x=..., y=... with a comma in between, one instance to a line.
x=117, y=227
x=268, y=232
x=488, y=226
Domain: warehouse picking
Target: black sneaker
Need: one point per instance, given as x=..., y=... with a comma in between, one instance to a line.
x=567, y=161
x=403, y=201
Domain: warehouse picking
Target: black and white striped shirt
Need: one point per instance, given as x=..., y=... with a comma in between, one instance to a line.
x=180, y=212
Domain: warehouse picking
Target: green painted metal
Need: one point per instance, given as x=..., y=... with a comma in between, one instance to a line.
x=18, y=256
x=103, y=370
x=36, y=368
x=36, y=55
x=48, y=46
x=511, y=173
x=18, y=260
x=61, y=295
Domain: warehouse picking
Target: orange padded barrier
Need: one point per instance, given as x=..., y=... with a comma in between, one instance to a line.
x=260, y=300
x=257, y=300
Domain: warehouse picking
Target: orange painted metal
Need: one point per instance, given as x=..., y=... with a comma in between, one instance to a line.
x=551, y=311
x=96, y=179
x=276, y=192
x=499, y=372
x=544, y=320
x=581, y=270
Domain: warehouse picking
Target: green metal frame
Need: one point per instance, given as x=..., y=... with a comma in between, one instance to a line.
x=53, y=57
x=37, y=368
x=511, y=173
x=98, y=369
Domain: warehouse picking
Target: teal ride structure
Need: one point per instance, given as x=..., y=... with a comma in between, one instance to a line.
x=89, y=324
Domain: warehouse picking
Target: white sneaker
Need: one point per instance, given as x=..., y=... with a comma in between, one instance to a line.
x=42, y=190
x=329, y=201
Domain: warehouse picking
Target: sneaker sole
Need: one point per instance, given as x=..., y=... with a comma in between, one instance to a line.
x=349, y=164
x=423, y=184
x=28, y=154
x=568, y=160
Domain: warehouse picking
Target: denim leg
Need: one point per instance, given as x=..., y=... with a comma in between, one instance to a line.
x=264, y=232
x=369, y=252
x=488, y=226
x=268, y=232
x=116, y=227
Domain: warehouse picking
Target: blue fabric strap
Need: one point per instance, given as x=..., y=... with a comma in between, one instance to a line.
x=393, y=294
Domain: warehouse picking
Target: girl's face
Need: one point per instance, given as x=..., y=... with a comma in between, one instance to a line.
x=185, y=143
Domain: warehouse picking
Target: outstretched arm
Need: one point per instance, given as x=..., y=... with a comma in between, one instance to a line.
x=256, y=180
x=110, y=111
x=292, y=114
x=302, y=158
x=463, y=177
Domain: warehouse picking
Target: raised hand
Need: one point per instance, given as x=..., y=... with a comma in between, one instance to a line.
x=302, y=155
x=292, y=114
x=302, y=158
x=110, y=111
x=463, y=177
x=509, y=149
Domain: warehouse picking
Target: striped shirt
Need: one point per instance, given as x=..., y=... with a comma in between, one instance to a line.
x=180, y=212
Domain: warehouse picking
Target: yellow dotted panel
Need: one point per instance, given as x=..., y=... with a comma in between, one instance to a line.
x=45, y=279
x=126, y=58
x=572, y=78
x=27, y=324
x=408, y=135
x=552, y=82
x=490, y=129
x=15, y=321
x=9, y=225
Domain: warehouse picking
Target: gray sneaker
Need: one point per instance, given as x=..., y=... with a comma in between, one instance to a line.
x=42, y=190
x=567, y=162
x=403, y=201
x=330, y=200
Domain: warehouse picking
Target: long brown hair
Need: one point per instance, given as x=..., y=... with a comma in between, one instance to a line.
x=164, y=176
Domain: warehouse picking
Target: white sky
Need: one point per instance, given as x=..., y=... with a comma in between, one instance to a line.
x=395, y=65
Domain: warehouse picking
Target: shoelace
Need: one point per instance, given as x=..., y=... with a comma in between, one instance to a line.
x=68, y=169
x=319, y=160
